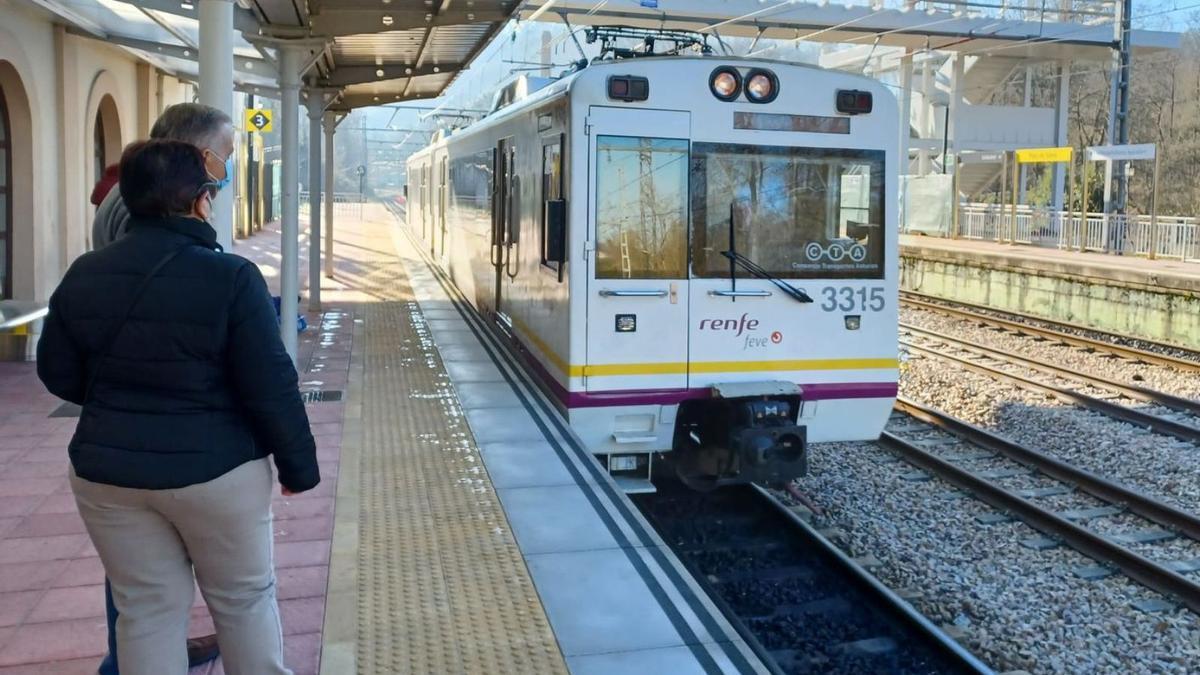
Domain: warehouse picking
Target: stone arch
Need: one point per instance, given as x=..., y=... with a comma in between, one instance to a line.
x=19, y=238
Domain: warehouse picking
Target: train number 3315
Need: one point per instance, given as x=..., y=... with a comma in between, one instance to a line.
x=847, y=299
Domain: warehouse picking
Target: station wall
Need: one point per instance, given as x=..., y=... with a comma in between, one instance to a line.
x=73, y=103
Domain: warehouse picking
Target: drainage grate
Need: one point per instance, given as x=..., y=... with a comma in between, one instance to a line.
x=67, y=410
x=321, y=396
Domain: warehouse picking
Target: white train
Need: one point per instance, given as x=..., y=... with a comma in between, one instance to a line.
x=697, y=256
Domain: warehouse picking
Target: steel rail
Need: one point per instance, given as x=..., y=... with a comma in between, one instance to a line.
x=1137, y=567
x=1135, y=417
x=969, y=311
x=1179, y=403
x=895, y=604
x=1142, y=504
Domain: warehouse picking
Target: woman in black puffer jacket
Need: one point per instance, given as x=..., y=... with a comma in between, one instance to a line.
x=173, y=349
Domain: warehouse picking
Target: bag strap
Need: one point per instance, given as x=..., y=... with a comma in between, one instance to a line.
x=111, y=338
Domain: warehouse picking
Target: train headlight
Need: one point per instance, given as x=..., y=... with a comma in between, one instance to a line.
x=726, y=83
x=761, y=86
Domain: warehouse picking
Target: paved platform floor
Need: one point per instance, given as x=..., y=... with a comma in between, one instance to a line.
x=1167, y=272
x=51, y=592
x=449, y=534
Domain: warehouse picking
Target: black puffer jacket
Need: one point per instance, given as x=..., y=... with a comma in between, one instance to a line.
x=197, y=382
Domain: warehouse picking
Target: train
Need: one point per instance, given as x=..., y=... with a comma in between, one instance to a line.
x=695, y=255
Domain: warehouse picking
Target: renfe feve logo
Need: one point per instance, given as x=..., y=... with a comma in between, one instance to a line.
x=740, y=326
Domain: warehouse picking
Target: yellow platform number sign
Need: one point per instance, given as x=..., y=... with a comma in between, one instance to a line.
x=258, y=120
x=1043, y=155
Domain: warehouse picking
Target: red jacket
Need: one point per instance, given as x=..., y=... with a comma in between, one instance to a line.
x=107, y=181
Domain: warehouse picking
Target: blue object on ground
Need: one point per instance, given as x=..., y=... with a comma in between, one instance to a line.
x=301, y=321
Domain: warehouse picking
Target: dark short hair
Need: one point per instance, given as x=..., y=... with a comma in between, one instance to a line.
x=195, y=123
x=161, y=178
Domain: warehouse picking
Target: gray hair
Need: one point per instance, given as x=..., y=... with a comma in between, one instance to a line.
x=195, y=123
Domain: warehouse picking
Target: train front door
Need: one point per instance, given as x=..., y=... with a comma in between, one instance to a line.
x=637, y=296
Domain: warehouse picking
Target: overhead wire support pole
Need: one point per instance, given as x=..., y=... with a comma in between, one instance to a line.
x=1122, y=110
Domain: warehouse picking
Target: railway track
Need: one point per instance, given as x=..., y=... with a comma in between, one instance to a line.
x=797, y=600
x=1073, y=335
x=953, y=450
x=1164, y=413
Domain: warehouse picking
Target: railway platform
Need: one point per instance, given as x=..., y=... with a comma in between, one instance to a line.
x=1154, y=299
x=459, y=528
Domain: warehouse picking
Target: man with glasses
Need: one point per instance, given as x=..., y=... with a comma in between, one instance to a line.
x=204, y=127
x=212, y=131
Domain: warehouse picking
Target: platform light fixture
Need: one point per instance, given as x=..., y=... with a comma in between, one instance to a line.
x=388, y=20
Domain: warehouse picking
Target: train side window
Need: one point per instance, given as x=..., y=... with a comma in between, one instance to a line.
x=641, y=208
x=552, y=191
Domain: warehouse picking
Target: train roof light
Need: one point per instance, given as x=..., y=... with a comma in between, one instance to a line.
x=761, y=86
x=628, y=88
x=854, y=102
x=725, y=83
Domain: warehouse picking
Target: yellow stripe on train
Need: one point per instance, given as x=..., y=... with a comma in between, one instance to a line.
x=679, y=367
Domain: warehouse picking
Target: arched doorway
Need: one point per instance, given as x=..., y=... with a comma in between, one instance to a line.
x=19, y=215
x=6, y=207
x=106, y=138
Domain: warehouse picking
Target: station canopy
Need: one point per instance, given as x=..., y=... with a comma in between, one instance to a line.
x=1029, y=29
x=371, y=51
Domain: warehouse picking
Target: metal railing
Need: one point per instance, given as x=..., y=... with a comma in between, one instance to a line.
x=346, y=204
x=1171, y=237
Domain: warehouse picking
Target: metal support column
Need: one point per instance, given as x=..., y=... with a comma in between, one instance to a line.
x=905, y=131
x=330, y=125
x=216, y=90
x=953, y=110
x=906, y=81
x=290, y=59
x=1122, y=109
x=924, y=116
x=1061, y=122
x=316, y=110
x=1024, y=173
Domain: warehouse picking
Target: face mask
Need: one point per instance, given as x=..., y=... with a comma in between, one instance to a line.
x=228, y=174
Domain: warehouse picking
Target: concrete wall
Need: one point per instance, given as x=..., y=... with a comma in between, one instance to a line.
x=1157, y=311
x=57, y=85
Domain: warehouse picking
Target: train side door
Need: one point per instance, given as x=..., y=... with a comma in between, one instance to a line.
x=637, y=296
x=443, y=206
x=502, y=237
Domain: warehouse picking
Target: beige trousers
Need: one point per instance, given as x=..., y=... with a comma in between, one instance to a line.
x=150, y=541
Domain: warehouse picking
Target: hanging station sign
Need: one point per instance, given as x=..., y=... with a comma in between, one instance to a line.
x=258, y=120
x=1117, y=153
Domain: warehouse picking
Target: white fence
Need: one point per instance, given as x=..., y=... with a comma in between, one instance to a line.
x=346, y=204
x=1172, y=237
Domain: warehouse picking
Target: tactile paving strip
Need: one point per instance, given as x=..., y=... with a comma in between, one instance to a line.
x=442, y=587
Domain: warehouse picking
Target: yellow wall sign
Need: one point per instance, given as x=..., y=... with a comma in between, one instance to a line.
x=258, y=120
x=1043, y=155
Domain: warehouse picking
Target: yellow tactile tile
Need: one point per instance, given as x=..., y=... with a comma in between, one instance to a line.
x=442, y=587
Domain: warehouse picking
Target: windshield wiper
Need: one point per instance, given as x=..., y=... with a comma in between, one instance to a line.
x=754, y=268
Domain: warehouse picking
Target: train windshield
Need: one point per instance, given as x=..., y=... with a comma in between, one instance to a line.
x=797, y=212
